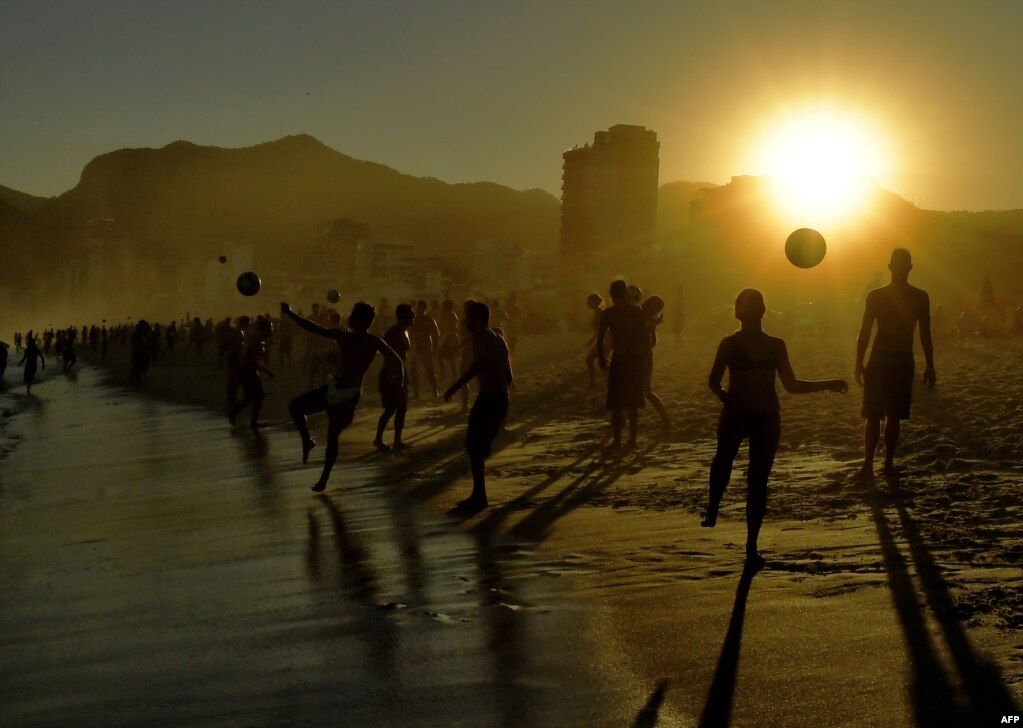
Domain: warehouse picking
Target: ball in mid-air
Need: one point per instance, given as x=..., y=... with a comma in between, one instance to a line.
x=805, y=248
x=333, y=295
x=222, y=259
x=248, y=284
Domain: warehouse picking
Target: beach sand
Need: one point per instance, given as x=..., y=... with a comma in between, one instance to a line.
x=881, y=604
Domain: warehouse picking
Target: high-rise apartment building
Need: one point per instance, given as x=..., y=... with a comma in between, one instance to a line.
x=608, y=207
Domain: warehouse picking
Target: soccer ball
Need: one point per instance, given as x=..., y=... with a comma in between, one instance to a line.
x=333, y=295
x=805, y=248
x=248, y=284
x=222, y=259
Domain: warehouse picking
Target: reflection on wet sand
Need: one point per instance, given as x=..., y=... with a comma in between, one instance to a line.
x=158, y=564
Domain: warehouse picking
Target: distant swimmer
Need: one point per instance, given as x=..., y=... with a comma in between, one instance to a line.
x=750, y=411
x=339, y=397
x=627, y=325
x=887, y=379
x=31, y=359
x=393, y=381
x=492, y=367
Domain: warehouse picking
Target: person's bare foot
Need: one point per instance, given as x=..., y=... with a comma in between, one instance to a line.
x=865, y=473
x=379, y=445
x=472, y=504
x=319, y=487
x=709, y=520
x=306, y=447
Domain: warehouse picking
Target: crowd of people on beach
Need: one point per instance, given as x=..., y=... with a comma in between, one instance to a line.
x=422, y=344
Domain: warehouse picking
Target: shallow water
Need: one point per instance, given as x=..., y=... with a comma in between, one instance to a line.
x=158, y=567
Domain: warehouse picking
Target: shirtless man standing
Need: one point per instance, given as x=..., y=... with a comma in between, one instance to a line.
x=425, y=336
x=394, y=383
x=887, y=379
x=493, y=368
x=628, y=327
x=339, y=397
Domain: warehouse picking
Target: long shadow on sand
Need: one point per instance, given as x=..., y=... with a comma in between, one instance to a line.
x=933, y=692
x=717, y=713
x=648, y=716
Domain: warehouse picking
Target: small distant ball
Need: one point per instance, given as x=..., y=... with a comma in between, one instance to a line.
x=805, y=248
x=248, y=284
x=333, y=295
x=222, y=259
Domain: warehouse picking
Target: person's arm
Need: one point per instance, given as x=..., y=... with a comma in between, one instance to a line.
x=866, y=327
x=717, y=372
x=926, y=343
x=306, y=324
x=601, y=333
x=434, y=333
x=804, y=386
x=390, y=355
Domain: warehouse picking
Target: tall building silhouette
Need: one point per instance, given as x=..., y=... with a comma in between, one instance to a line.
x=608, y=206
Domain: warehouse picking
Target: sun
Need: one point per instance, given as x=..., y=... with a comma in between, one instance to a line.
x=822, y=165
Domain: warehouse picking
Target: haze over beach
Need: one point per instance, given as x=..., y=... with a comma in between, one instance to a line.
x=650, y=364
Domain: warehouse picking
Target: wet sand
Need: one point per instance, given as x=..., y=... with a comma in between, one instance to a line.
x=882, y=604
x=160, y=569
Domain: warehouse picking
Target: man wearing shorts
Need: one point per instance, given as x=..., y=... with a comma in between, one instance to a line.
x=887, y=379
x=627, y=325
x=493, y=368
x=339, y=397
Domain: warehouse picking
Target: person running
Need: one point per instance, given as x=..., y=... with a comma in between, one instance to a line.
x=250, y=364
x=492, y=367
x=628, y=327
x=340, y=397
x=394, y=384
x=750, y=410
x=31, y=358
x=887, y=379
x=653, y=309
x=424, y=336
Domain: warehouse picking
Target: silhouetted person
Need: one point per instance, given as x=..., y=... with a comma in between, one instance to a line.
x=69, y=356
x=628, y=327
x=448, y=344
x=250, y=364
x=140, y=351
x=3, y=361
x=424, y=335
x=887, y=379
x=394, y=382
x=493, y=369
x=104, y=343
x=596, y=305
x=197, y=337
x=653, y=309
x=465, y=350
x=340, y=397
x=31, y=359
x=222, y=336
x=235, y=349
x=750, y=410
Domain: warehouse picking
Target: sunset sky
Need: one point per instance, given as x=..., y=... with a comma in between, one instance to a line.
x=474, y=90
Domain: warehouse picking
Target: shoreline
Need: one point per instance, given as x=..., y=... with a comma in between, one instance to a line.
x=625, y=531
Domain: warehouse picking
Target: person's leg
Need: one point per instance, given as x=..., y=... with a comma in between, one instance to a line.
x=257, y=406
x=633, y=425
x=399, y=425
x=659, y=407
x=479, y=486
x=591, y=360
x=617, y=418
x=763, y=445
x=338, y=418
x=892, y=427
x=871, y=437
x=378, y=443
x=301, y=406
x=730, y=435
